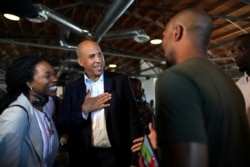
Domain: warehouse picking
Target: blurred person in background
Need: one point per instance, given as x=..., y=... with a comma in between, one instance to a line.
x=241, y=53
x=144, y=108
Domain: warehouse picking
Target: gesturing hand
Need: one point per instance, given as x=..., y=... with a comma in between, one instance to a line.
x=95, y=103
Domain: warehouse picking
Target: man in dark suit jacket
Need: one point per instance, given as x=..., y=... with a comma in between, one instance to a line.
x=99, y=113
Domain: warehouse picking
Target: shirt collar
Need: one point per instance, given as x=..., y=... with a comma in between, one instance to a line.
x=88, y=80
x=246, y=77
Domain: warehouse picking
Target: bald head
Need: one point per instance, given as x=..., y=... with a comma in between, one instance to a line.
x=84, y=46
x=197, y=24
x=186, y=35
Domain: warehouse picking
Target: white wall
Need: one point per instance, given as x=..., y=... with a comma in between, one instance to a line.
x=149, y=82
x=149, y=87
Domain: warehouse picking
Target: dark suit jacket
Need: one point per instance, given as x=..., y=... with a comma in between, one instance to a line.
x=122, y=119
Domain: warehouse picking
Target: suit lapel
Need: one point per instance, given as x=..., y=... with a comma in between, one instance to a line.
x=107, y=82
x=107, y=87
x=82, y=87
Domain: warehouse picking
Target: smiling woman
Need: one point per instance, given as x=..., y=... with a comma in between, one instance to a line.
x=30, y=81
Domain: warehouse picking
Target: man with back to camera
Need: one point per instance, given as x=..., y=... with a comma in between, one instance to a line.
x=99, y=114
x=241, y=53
x=200, y=112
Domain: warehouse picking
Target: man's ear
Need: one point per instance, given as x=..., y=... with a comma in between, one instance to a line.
x=80, y=62
x=178, y=32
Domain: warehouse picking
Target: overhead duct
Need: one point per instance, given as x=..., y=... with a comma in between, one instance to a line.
x=64, y=34
x=62, y=21
x=64, y=64
x=63, y=44
x=138, y=34
x=117, y=8
x=3, y=40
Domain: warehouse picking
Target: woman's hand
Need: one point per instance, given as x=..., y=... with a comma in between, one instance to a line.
x=137, y=143
x=152, y=136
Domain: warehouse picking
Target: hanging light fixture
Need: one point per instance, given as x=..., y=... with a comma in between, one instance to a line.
x=156, y=41
x=11, y=16
x=112, y=65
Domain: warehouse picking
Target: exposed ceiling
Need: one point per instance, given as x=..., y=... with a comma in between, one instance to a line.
x=117, y=25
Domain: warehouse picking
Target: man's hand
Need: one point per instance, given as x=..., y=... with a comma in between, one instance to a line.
x=95, y=103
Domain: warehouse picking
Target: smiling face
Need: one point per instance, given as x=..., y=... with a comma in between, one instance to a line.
x=91, y=58
x=44, y=80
